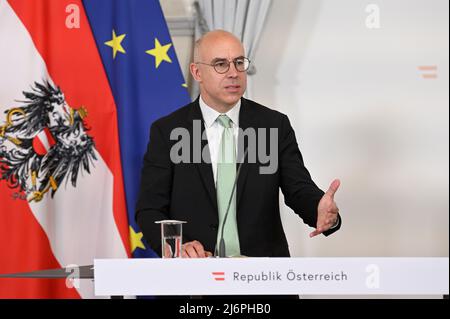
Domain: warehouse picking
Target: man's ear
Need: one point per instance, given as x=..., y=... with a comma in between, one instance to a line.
x=195, y=72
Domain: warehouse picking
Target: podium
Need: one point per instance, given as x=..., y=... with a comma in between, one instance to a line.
x=272, y=276
x=261, y=276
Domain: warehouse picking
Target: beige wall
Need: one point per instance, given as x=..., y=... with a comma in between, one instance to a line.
x=183, y=44
x=363, y=113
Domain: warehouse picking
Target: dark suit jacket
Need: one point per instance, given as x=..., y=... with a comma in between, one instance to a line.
x=186, y=191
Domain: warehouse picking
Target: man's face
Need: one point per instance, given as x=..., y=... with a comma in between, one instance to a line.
x=220, y=90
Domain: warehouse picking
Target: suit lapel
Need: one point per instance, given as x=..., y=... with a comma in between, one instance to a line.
x=246, y=120
x=205, y=169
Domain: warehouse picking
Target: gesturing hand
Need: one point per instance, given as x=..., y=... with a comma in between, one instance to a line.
x=327, y=211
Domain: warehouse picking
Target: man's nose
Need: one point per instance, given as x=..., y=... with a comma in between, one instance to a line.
x=232, y=71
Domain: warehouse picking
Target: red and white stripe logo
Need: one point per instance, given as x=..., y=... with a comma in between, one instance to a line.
x=218, y=276
x=43, y=141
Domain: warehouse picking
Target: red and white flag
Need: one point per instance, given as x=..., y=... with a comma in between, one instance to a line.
x=61, y=190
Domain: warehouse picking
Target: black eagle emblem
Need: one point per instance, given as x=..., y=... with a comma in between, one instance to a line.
x=44, y=143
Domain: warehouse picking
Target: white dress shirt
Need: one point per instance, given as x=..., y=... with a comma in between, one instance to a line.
x=214, y=130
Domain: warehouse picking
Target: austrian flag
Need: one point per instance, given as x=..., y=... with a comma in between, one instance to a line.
x=62, y=200
x=81, y=82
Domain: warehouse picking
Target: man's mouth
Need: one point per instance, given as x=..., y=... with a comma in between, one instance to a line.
x=232, y=88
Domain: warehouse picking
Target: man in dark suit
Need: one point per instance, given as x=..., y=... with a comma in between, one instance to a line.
x=201, y=192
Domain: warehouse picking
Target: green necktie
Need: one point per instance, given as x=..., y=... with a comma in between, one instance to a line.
x=226, y=175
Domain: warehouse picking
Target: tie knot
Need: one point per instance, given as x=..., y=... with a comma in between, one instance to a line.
x=224, y=120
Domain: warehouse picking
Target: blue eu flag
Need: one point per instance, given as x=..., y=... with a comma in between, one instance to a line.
x=146, y=80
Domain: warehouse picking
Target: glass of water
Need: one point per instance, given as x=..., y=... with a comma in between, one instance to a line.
x=171, y=238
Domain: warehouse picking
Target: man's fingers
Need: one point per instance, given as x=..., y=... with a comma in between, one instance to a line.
x=331, y=222
x=189, y=251
x=327, y=213
x=333, y=187
x=193, y=249
x=334, y=210
x=323, y=227
x=315, y=233
x=199, y=249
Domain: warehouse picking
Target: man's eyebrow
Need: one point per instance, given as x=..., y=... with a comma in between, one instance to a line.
x=225, y=59
x=218, y=60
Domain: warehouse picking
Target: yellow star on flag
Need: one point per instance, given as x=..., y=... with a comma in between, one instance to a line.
x=136, y=240
x=115, y=43
x=160, y=53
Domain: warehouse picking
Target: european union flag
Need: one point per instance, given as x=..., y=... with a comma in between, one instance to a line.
x=146, y=80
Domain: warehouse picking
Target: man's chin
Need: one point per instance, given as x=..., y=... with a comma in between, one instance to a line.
x=233, y=98
x=232, y=103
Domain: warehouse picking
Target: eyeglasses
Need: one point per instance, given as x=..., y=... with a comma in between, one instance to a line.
x=222, y=66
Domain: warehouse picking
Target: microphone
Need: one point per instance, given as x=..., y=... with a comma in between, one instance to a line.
x=222, y=241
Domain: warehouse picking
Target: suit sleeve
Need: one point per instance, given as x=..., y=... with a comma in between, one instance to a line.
x=156, y=184
x=301, y=194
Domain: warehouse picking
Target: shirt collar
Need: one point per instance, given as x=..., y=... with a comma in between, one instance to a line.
x=210, y=115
